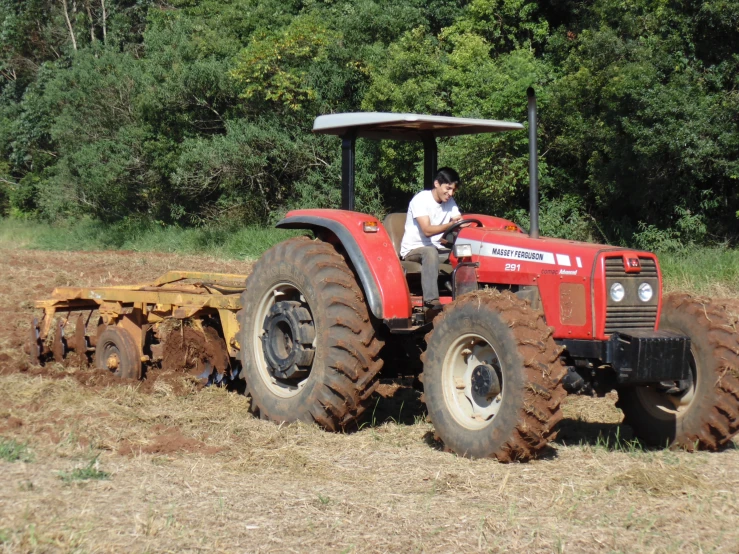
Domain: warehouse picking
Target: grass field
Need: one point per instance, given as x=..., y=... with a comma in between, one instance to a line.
x=93, y=465
x=711, y=271
x=225, y=243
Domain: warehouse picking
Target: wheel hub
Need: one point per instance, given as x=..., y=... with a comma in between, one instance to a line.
x=287, y=341
x=485, y=382
x=113, y=361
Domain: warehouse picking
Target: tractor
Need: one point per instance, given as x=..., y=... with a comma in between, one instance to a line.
x=525, y=321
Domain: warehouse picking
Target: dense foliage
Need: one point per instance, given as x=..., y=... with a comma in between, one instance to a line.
x=199, y=111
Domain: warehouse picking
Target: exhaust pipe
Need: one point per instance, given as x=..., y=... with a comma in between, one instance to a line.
x=533, y=168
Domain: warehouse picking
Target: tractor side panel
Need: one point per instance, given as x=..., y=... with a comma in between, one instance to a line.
x=372, y=254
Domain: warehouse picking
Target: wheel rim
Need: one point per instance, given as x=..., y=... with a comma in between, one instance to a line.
x=667, y=406
x=469, y=374
x=283, y=292
x=111, y=357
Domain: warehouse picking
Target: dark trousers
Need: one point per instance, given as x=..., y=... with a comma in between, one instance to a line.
x=430, y=258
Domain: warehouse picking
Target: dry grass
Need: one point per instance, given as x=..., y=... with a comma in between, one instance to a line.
x=196, y=472
x=260, y=487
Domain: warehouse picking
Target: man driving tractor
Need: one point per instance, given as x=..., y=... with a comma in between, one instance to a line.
x=430, y=214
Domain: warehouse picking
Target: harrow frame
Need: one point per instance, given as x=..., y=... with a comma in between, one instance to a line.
x=176, y=295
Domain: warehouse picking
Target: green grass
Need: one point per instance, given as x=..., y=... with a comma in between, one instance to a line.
x=713, y=271
x=616, y=443
x=14, y=451
x=235, y=243
x=88, y=473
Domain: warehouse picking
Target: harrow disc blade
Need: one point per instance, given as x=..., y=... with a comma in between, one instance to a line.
x=59, y=346
x=34, y=344
x=79, y=342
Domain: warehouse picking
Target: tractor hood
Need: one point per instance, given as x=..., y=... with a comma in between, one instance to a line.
x=572, y=278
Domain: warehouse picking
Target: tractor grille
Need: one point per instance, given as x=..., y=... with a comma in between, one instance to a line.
x=631, y=313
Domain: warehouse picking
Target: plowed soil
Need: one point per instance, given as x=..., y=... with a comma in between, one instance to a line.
x=193, y=351
x=94, y=464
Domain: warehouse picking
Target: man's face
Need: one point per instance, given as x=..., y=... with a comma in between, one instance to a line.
x=444, y=192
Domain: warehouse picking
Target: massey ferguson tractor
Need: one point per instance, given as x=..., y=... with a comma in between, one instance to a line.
x=526, y=320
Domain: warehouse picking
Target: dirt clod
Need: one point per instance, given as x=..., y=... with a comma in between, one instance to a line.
x=168, y=441
x=188, y=350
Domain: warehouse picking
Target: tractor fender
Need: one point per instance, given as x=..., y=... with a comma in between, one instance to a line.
x=371, y=253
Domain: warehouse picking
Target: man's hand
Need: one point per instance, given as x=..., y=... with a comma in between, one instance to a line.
x=424, y=222
x=458, y=219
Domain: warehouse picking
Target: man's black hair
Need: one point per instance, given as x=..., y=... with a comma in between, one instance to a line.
x=447, y=176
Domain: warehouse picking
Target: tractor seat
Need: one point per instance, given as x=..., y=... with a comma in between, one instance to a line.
x=395, y=226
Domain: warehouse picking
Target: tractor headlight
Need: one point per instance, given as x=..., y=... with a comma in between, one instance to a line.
x=617, y=292
x=645, y=292
x=462, y=250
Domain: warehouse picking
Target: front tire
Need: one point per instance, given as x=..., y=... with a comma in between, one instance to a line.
x=705, y=415
x=308, y=344
x=492, y=377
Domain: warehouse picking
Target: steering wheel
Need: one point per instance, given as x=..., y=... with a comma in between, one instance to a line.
x=450, y=235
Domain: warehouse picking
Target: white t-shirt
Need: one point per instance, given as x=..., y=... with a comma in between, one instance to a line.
x=422, y=204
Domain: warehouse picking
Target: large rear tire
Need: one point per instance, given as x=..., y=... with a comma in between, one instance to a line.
x=705, y=415
x=308, y=343
x=492, y=377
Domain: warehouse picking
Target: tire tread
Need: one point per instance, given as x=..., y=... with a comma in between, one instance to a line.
x=715, y=425
x=353, y=348
x=543, y=372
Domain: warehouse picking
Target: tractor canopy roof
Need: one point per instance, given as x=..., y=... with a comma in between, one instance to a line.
x=399, y=126
x=426, y=129
x=406, y=126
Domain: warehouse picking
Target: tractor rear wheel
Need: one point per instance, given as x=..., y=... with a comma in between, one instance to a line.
x=308, y=344
x=702, y=412
x=492, y=377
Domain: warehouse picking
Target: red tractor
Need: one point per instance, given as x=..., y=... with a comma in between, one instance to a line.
x=526, y=320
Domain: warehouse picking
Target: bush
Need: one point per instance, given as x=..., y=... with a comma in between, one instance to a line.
x=689, y=230
x=563, y=218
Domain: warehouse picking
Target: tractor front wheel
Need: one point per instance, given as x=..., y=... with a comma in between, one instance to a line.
x=492, y=377
x=308, y=343
x=703, y=411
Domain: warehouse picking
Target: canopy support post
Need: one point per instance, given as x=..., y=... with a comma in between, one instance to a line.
x=348, y=143
x=533, y=167
x=430, y=156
